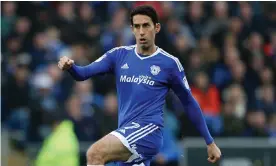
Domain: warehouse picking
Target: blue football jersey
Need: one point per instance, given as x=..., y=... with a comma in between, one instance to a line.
x=142, y=82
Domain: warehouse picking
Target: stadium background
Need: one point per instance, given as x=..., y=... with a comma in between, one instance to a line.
x=228, y=50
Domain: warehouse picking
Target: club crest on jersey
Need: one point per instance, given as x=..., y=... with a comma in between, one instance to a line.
x=155, y=69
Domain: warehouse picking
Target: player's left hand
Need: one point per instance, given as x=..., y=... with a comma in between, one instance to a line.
x=214, y=153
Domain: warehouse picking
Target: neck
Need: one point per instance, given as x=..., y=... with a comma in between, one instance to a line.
x=146, y=51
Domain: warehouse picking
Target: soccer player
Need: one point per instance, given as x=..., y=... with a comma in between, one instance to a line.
x=144, y=74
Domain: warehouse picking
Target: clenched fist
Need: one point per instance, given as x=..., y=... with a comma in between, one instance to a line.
x=214, y=153
x=65, y=63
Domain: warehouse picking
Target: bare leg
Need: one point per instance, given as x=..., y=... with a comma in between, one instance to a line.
x=107, y=149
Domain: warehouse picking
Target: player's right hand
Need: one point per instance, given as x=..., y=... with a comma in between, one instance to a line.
x=65, y=63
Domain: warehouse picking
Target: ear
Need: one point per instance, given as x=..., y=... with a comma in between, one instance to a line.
x=157, y=27
x=132, y=29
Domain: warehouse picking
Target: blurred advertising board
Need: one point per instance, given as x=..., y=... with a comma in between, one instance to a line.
x=235, y=152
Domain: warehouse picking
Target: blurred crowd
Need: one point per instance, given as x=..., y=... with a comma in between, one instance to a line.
x=228, y=50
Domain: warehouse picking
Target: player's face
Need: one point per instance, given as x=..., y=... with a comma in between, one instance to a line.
x=144, y=30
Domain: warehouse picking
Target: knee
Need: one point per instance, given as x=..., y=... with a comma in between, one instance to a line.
x=95, y=156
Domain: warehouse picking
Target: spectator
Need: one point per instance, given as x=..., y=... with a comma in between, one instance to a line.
x=272, y=125
x=39, y=51
x=238, y=74
x=266, y=75
x=85, y=90
x=16, y=90
x=168, y=10
x=233, y=125
x=253, y=47
x=109, y=116
x=173, y=29
x=269, y=18
x=85, y=126
x=195, y=18
x=66, y=22
x=194, y=65
x=270, y=50
x=59, y=151
x=266, y=100
x=88, y=23
x=55, y=47
x=22, y=26
x=271, y=47
x=237, y=97
x=219, y=21
x=250, y=19
x=61, y=84
x=118, y=32
x=221, y=73
x=230, y=42
x=210, y=54
x=13, y=47
x=8, y=18
x=235, y=27
x=206, y=94
x=256, y=124
x=246, y=13
x=252, y=78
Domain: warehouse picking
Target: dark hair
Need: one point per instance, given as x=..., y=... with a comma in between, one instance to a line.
x=144, y=10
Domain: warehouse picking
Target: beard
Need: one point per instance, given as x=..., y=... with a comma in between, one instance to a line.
x=145, y=47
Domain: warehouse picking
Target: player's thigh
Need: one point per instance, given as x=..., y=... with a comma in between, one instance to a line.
x=111, y=149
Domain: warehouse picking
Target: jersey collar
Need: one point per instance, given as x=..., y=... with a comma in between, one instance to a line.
x=145, y=57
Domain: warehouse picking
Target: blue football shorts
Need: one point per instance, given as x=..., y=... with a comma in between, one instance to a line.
x=143, y=140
